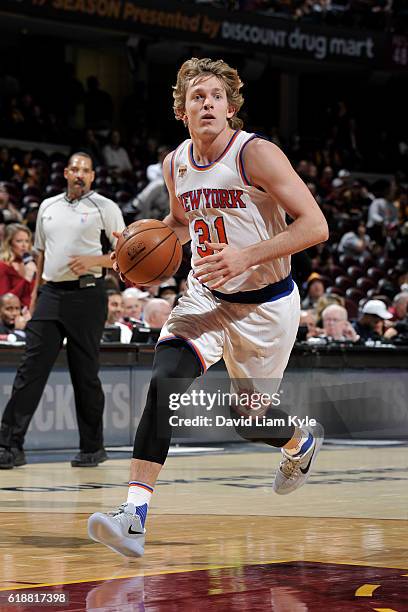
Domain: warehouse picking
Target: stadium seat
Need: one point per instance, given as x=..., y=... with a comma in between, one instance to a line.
x=51, y=191
x=100, y=183
x=355, y=272
x=344, y=283
x=101, y=172
x=354, y=294
x=58, y=166
x=333, y=271
x=371, y=293
x=347, y=260
x=366, y=261
x=29, y=199
x=335, y=290
x=57, y=179
x=365, y=284
x=352, y=308
x=31, y=190
x=385, y=263
x=375, y=274
x=386, y=287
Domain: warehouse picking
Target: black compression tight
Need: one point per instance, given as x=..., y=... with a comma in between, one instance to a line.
x=172, y=360
x=175, y=367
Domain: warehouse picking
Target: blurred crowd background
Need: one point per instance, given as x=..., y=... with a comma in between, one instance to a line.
x=349, y=145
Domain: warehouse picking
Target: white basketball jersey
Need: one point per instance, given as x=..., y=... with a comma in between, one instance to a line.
x=218, y=210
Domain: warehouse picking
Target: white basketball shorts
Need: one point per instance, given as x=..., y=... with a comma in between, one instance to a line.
x=255, y=340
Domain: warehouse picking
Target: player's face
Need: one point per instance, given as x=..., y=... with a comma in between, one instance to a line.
x=207, y=108
x=79, y=175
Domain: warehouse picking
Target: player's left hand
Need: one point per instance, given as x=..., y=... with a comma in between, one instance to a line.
x=80, y=264
x=226, y=263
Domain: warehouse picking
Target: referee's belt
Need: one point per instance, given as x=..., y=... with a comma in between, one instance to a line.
x=270, y=293
x=75, y=284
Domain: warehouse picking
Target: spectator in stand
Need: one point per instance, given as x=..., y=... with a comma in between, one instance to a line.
x=370, y=324
x=156, y=313
x=399, y=307
x=115, y=156
x=382, y=213
x=357, y=198
x=153, y=201
x=134, y=301
x=6, y=167
x=336, y=325
x=92, y=147
x=308, y=319
x=355, y=241
x=17, y=267
x=10, y=212
x=155, y=171
x=315, y=290
x=326, y=180
x=14, y=120
x=115, y=313
x=326, y=300
x=2, y=227
x=30, y=216
x=168, y=291
x=12, y=321
x=98, y=106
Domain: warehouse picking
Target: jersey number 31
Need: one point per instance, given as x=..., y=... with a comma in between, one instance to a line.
x=202, y=229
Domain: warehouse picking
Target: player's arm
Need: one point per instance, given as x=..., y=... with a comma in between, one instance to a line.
x=267, y=167
x=176, y=219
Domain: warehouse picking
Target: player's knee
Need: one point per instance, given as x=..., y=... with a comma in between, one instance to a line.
x=175, y=360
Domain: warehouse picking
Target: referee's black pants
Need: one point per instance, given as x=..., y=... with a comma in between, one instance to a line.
x=63, y=311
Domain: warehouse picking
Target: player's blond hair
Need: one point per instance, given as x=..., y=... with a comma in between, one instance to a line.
x=194, y=69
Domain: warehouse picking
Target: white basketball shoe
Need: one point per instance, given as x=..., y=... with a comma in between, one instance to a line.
x=120, y=530
x=293, y=472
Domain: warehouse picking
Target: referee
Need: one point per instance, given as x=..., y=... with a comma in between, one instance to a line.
x=73, y=231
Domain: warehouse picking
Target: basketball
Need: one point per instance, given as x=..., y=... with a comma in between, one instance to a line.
x=148, y=252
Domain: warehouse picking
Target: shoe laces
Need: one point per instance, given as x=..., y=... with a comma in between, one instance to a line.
x=289, y=467
x=119, y=511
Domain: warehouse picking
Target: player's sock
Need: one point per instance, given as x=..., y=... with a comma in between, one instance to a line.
x=139, y=495
x=305, y=442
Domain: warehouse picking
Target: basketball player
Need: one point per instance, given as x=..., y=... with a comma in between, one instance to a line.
x=241, y=303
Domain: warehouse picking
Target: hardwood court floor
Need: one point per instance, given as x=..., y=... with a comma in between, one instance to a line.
x=218, y=537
